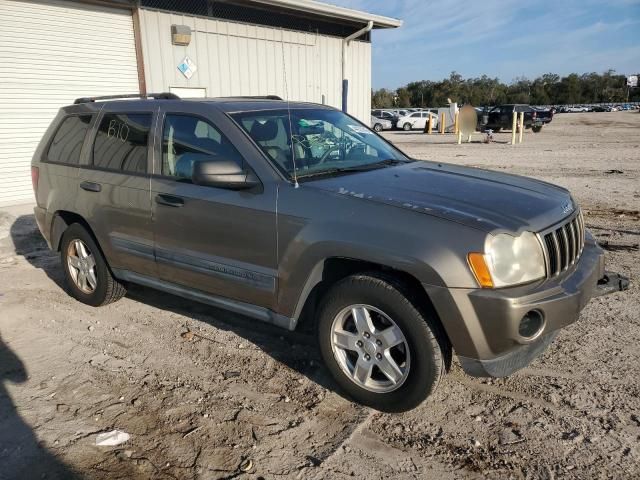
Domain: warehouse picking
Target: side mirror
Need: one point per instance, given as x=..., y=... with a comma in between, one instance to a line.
x=223, y=173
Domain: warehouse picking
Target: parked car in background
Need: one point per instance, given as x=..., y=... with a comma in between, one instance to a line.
x=379, y=124
x=386, y=115
x=294, y=212
x=501, y=117
x=576, y=109
x=417, y=120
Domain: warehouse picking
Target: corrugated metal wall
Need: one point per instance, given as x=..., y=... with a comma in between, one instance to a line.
x=240, y=59
x=51, y=53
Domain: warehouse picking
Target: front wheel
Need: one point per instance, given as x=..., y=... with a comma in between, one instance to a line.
x=377, y=127
x=536, y=128
x=406, y=127
x=381, y=348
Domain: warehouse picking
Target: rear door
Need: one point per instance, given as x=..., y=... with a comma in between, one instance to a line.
x=215, y=240
x=114, y=193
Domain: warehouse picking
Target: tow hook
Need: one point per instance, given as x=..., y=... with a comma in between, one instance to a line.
x=611, y=282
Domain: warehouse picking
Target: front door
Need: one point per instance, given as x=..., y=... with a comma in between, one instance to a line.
x=215, y=240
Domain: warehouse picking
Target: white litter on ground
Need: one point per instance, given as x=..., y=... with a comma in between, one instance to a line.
x=111, y=439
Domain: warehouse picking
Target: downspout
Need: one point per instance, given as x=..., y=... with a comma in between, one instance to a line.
x=345, y=44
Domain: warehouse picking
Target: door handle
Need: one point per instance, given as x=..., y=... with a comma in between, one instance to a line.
x=169, y=200
x=91, y=187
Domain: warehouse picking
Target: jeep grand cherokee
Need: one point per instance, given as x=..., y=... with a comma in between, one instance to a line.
x=272, y=209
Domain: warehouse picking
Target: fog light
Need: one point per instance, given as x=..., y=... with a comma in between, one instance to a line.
x=531, y=324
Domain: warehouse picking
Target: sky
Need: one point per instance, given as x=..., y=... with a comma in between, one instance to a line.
x=501, y=38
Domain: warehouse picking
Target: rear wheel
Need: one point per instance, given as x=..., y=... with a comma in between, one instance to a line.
x=85, y=269
x=536, y=128
x=406, y=127
x=382, y=349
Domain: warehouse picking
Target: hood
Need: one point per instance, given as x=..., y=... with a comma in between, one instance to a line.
x=479, y=198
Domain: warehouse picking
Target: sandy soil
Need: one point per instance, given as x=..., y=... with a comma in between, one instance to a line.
x=202, y=391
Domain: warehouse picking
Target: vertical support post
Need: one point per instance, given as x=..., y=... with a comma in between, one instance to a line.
x=345, y=94
x=456, y=126
x=142, y=85
x=459, y=134
x=514, y=127
x=521, y=127
x=427, y=126
x=442, y=120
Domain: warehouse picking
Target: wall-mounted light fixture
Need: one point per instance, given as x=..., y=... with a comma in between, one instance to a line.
x=180, y=34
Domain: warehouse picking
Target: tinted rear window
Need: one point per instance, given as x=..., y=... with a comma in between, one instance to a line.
x=121, y=142
x=67, y=142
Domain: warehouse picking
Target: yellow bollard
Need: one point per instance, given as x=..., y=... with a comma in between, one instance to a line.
x=459, y=137
x=430, y=124
x=442, y=126
x=521, y=127
x=456, y=126
x=514, y=126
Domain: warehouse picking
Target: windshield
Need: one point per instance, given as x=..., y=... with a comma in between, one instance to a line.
x=322, y=141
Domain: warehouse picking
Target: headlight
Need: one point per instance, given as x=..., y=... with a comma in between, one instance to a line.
x=508, y=261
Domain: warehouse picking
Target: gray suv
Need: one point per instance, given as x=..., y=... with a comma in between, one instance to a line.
x=296, y=212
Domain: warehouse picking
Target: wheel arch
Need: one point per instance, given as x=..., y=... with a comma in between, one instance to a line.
x=62, y=220
x=333, y=269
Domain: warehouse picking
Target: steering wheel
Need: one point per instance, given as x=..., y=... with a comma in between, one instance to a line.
x=326, y=154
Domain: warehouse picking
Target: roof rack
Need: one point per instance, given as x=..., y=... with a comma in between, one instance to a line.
x=156, y=96
x=258, y=97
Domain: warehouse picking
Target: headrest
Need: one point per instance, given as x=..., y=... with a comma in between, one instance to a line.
x=263, y=132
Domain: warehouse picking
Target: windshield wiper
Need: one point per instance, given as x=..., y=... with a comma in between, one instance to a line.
x=356, y=168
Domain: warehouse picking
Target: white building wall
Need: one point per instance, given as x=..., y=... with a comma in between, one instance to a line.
x=240, y=59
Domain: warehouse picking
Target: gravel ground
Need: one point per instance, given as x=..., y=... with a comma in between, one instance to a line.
x=203, y=392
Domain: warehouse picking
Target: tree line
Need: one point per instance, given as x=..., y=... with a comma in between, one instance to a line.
x=548, y=89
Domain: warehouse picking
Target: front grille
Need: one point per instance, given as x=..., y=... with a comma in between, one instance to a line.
x=563, y=245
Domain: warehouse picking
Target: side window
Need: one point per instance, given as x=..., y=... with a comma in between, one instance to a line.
x=186, y=140
x=121, y=142
x=415, y=115
x=68, y=140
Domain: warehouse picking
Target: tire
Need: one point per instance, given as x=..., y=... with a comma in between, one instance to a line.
x=497, y=129
x=407, y=126
x=536, y=128
x=377, y=127
x=101, y=287
x=428, y=349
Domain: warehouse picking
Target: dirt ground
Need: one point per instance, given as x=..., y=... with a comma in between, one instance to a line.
x=202, y=391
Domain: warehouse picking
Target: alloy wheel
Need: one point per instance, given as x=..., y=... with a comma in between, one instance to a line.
x=82, y=266
x=370, y=348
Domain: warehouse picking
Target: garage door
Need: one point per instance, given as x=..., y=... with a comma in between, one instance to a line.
x=52, y=52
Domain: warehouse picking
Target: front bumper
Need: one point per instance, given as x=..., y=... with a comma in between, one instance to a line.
x=483, y=324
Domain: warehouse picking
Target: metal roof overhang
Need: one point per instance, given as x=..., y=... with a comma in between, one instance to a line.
x=312, y=8
x=308, y=8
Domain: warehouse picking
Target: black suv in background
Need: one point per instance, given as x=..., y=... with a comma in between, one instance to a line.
x=295, y=212
x=501, y=117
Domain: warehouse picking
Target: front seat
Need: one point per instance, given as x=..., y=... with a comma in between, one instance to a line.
x=263, y=132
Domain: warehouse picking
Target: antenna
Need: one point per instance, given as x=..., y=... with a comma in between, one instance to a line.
x=286, y=92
